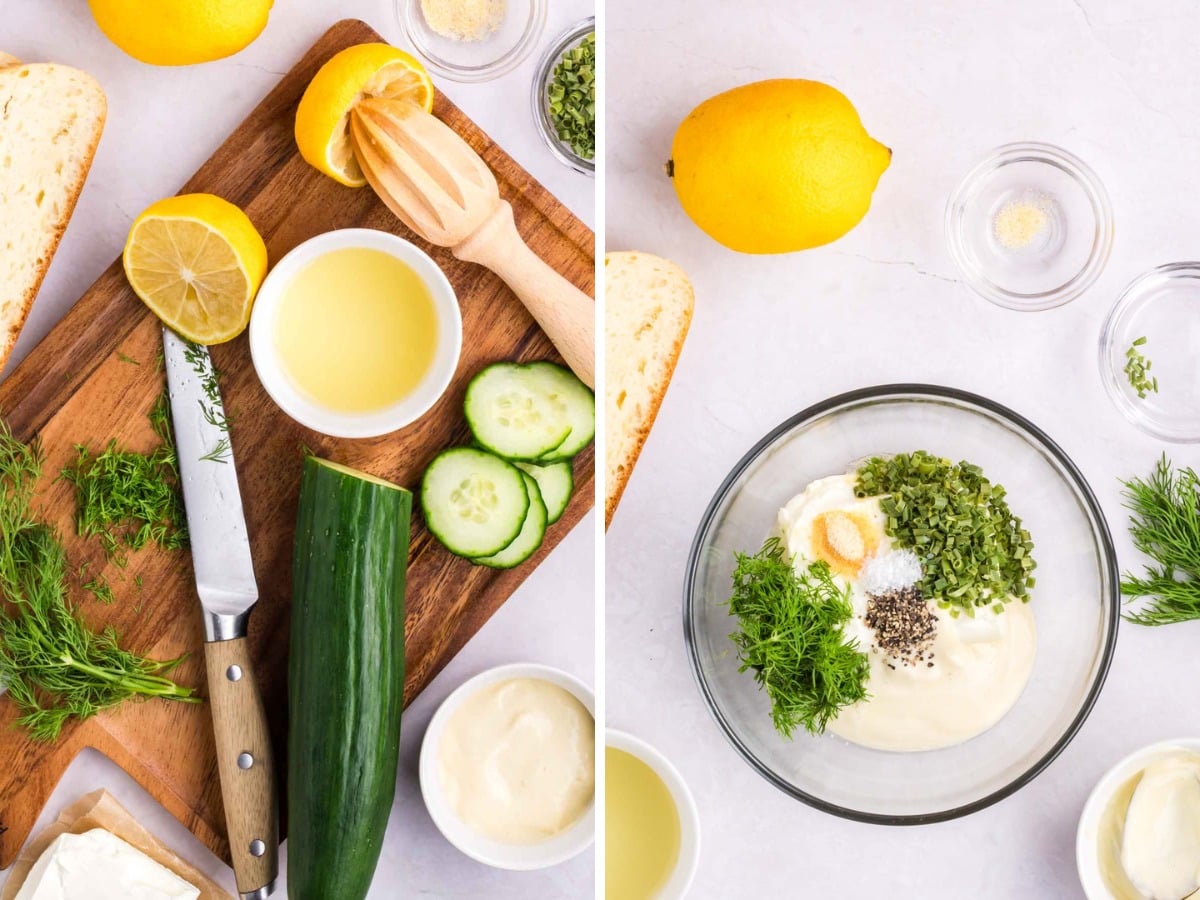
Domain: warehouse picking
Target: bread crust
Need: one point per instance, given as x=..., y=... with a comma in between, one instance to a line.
x=615, y=485
x=59, y=228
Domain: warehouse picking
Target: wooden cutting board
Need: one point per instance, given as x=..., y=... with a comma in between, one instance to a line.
x=78, y=386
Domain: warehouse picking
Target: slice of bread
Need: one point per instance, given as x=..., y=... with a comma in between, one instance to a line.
x=51, y=117
x=648, y=308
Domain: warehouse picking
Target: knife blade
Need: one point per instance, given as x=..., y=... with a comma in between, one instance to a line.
x=227, y=589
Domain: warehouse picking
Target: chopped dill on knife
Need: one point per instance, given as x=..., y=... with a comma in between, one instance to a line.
x=1165, y=525
x=790, y=634
x=54, y=666
x=211, y=406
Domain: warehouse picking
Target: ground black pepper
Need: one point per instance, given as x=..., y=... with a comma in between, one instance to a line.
x=904, y=625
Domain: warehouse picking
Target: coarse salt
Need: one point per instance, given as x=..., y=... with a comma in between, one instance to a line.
x=890, y=571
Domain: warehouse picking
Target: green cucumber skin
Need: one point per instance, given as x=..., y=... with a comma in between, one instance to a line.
x=346, y=679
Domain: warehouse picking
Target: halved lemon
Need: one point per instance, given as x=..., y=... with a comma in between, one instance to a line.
x=323, y=116
x=197, y=261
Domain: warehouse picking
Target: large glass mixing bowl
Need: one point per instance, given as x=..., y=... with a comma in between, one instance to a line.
x=1076, y=602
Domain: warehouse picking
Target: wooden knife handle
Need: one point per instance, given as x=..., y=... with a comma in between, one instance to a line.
x=246, y=766
x=565, y=313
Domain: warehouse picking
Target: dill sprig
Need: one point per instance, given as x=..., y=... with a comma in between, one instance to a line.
x=54, y=666
x=790, y=634
x=211, y=406
x=131, y=499
x=1165, y=525
x=100, y=588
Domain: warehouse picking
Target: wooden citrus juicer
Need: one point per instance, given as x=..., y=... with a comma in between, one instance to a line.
x=440, y=188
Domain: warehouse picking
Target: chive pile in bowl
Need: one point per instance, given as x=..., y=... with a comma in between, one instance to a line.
x=564, y=97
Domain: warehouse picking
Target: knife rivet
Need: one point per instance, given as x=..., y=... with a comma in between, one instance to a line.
x=257, y=847
x=245, y=760
x=234, y=673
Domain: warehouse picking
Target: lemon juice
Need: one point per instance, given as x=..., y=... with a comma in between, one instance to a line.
x=642, y=832
x=356, y=330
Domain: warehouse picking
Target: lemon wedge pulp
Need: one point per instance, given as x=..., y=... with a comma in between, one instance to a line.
x=196, y=261
x=323, y=116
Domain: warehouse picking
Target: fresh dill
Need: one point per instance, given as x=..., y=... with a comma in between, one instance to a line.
x=127, y=359
x=131, y=499
x=127, y=499
x=100, y=588
x=219, y=453
x=55, y=667
x=790, y=634
x=1165, y=525
x=211, y=406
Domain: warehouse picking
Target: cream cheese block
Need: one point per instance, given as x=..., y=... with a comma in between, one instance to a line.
x=97, y=865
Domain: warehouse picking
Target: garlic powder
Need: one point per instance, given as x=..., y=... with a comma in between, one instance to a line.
x=463, y=20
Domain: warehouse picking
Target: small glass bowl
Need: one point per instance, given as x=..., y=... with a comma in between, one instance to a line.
x=1163, y=306
x=1061, y=226
x=541, y=105
x=474, y=61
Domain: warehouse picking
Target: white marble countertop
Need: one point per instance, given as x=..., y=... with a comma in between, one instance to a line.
x=162, y=124
x=942, y=84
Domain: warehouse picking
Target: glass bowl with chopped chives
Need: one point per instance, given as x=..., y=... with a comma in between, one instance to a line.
x=564, y=102
x=474, y=41
x=1075, y=603
x=1148, y=352
x=1030, y=226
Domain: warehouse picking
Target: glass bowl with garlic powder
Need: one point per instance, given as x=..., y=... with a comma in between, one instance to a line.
x=1030, y=227
x=472, y=40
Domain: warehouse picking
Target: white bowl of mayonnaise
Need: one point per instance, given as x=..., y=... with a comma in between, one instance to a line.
x=1139, y=835
x=508, y=770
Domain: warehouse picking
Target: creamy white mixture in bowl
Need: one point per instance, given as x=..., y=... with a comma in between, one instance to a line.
x=1006, y=691
x=507, y=767
x=1139, y=834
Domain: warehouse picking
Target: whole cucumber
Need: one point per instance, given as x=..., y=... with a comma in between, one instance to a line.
x=346, y=671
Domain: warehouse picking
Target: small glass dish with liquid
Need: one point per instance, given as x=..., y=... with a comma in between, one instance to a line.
x=356, y=333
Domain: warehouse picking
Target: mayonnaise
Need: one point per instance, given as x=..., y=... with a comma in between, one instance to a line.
x=1156, y=819
x=517, y=760
x=980, y=667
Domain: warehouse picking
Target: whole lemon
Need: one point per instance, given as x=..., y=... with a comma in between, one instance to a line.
x=776, y=166
x=181, y=32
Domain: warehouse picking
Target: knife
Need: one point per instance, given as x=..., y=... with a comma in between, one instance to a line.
x=227, y=590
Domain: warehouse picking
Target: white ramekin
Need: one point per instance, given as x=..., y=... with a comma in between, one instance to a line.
x=574, y=840
x=689, y=816
x=333, y=422
x=1086, y=851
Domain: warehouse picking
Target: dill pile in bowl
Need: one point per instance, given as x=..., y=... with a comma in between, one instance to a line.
x=790, y=634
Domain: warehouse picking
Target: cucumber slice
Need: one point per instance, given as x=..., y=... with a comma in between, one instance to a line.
x=572, y=399
x=556, y=482
x=530, y=538
x=474, y=502
x=511, y=413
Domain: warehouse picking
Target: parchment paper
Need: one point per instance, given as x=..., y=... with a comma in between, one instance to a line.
x=100, y=809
